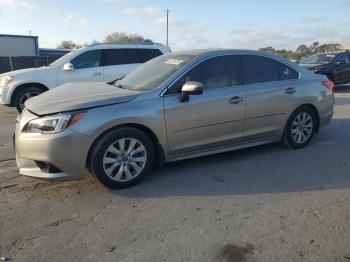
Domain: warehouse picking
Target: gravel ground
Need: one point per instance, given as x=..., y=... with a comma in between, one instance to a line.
x=261, y=204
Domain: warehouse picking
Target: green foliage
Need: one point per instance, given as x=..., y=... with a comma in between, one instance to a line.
x=303, y=51
x=124, y=38
x=68, y=44
x=115, y=38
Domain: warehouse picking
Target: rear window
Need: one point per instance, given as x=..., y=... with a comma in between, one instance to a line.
x=258, y=69
x=147, y=54
x=121, y=56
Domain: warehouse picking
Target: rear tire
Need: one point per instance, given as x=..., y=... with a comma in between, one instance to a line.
x=300, y=128
x=23, y=95
x=122, y=157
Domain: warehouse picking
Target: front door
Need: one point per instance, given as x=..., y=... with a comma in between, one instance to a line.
x=212, y=119
x=342, y=68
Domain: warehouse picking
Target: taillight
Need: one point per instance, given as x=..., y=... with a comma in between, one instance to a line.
x=329, y=84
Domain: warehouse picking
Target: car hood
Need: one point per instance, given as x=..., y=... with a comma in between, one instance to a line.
x=77, y=96
x=311, y=66
x=31, y=71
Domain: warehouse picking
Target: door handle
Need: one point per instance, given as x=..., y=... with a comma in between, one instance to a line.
x=96, y=74
x=290, y=90
x=236, y=100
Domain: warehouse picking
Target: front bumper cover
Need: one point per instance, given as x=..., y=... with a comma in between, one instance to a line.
x=66, y=150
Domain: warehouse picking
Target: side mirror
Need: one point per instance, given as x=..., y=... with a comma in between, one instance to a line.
x=190, y=88
x=340, y=63
x=68, y=67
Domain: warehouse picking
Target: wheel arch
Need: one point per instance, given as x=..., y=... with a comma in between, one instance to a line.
x=158, y=149
x=313, y=108
x=20, y=87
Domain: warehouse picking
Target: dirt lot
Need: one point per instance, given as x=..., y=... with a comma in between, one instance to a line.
x=261, y=204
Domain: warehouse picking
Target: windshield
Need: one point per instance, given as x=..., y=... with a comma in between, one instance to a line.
x=153, y=73
x=59, y=60
x=319, y=59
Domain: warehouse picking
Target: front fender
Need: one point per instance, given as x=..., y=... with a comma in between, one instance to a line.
x=149, y=114
x=17, y=84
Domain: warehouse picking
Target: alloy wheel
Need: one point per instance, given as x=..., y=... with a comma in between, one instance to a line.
x=125, y=159
x=302, y=128
x=26, y=96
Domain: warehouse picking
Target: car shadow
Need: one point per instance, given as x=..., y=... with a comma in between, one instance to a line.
x=271, y=168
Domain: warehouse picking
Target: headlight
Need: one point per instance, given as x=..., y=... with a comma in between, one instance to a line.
x=5, y=80
x=52, y=124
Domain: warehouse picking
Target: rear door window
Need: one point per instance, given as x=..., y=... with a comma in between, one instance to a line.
x=122, y=56
x=259, y=69
x=147, y=54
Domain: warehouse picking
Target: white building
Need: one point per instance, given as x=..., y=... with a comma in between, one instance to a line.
x=19, y=45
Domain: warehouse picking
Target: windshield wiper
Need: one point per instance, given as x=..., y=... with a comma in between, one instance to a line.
x=120, y=86
x=115, y=80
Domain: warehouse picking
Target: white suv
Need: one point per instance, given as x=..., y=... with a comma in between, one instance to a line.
x=96, y=63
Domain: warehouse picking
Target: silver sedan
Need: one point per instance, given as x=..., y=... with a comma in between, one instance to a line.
x=173, y=107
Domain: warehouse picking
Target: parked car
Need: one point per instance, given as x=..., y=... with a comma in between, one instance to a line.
x=295, y=61
x=96, y=63
x=334, y=65
x=173, y=107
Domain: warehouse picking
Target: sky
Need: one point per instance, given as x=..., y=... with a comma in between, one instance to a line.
x=248, y=24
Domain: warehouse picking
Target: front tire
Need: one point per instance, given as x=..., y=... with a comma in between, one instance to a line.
x=300, y=128
x=122, y=157
x=23, y=95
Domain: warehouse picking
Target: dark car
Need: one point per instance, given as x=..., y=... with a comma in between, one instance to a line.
x=335, y=65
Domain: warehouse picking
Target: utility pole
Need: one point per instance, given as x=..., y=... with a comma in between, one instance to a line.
x=167, y=27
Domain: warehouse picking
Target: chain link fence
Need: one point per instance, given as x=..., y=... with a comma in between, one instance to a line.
x=8, y=64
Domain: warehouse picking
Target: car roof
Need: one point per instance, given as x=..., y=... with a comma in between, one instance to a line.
x=128, y=45
x=197, y=52
x=164, y=49
x=204, y=53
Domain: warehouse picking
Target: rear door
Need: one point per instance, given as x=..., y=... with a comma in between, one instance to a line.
x=342, y=68
x=212, y=119
x=118, y=62
x=87, y=68
x=271, y=92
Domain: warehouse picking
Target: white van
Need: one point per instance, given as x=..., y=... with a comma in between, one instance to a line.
x=96, y=63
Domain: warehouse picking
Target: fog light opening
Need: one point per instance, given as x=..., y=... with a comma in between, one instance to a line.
x=47, y=167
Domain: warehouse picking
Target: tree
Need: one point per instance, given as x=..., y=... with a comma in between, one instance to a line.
x=68, y=44
x=303, y=51
x=124, y=38
x=329, y=47
x=315, y=45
